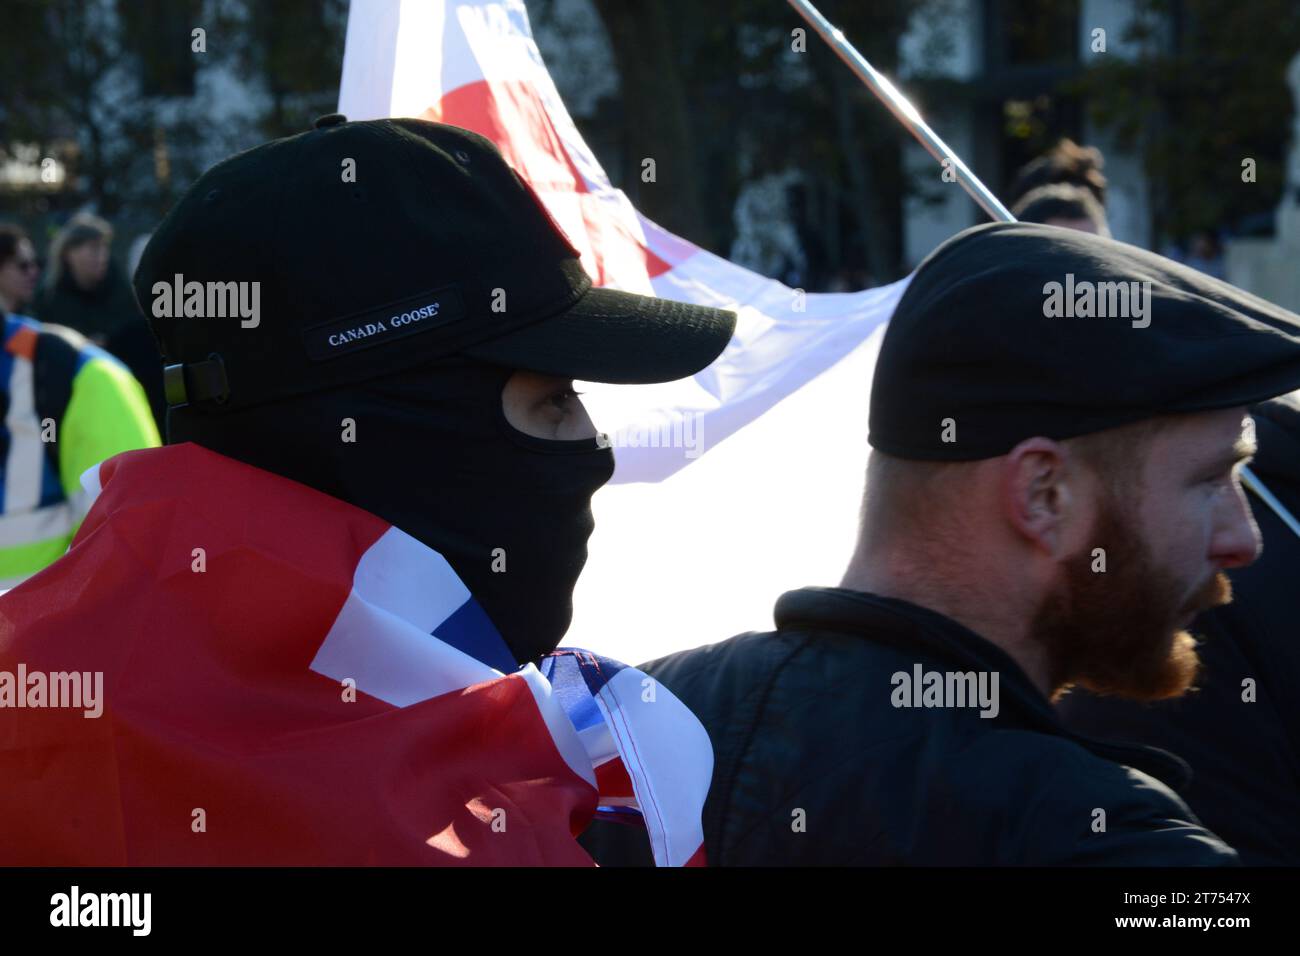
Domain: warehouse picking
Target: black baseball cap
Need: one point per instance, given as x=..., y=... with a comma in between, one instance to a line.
x=380, y=245
x=1002, y=335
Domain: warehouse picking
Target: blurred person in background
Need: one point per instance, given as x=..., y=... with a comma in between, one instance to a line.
x=1066, y=162
x=66, y=406
x=1064, y=205
x=84, y=291
x=18, y=269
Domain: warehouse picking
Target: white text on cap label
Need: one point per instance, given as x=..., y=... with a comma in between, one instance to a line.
x=374, y=327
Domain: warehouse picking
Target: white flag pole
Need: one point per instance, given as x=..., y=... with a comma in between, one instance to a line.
x=903, y=111
x=907, y=114
x=1263, y=494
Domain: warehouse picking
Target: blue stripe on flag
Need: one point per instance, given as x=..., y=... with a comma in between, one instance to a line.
x=470, y=631
x=597, y=671
x=628, y=815
x=564, y=671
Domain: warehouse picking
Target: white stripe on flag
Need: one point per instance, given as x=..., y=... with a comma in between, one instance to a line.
x=382, y=638
x=409, y=578
x=661, y=741
x=558, y=723
x=90, y=482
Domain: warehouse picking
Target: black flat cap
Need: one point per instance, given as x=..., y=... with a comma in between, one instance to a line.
x=1010, y=331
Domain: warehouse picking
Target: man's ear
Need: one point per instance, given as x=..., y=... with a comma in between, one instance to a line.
x=1036, y=495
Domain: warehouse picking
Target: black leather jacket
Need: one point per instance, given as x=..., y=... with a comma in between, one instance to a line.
x=815, y=764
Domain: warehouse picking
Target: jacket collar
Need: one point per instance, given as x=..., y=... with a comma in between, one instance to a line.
x=908, y=626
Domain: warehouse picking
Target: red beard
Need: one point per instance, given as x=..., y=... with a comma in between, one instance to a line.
x=1117, y=632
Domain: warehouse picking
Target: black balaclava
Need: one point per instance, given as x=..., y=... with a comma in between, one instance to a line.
x=434, y=456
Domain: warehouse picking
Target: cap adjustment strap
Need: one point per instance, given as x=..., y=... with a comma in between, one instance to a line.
x=187, y=382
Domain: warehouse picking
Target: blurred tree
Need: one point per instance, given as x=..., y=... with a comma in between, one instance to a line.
x=117, y=90
x=722, y=99
x=301, y=79
x=67, y=69
x=655, y=107
x=716, y=96
x=1204, y=91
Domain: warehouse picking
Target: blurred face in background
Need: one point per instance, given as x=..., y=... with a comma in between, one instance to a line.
x=1203, y=246
x=87, y=263
x=18, y=277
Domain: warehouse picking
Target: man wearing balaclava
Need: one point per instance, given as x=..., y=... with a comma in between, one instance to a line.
x=436, y=455
x=318, y=627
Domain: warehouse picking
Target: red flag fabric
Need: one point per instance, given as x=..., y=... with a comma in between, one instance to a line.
x=202, y=590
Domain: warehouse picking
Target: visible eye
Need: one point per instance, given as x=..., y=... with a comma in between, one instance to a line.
x=1222, y=479
x=564, y=398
